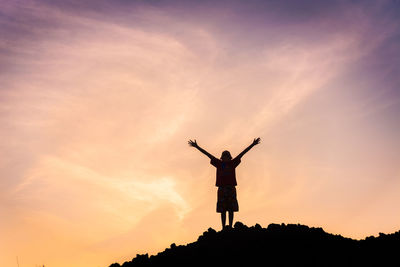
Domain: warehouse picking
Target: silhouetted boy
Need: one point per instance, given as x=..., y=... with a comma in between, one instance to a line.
x=226, y=180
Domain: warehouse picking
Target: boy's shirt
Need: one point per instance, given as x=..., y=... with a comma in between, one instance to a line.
x=225, y=171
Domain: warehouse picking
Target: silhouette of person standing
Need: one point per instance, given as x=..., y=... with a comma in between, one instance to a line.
x=226, y=180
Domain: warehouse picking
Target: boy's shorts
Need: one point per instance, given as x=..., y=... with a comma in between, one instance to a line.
x=226, y=200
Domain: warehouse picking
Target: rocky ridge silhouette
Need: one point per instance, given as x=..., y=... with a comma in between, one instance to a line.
x=276, y=245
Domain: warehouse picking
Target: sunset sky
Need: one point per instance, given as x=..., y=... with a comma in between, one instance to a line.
x=98, y=99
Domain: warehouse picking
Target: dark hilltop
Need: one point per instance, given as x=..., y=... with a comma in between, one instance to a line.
x=276, y=245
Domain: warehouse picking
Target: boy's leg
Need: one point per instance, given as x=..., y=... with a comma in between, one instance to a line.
x=223, y=219
x=230, y=218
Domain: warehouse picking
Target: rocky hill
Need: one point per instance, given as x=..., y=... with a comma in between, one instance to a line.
x=276, y=245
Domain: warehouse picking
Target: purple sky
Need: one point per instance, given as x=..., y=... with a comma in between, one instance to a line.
x=99, y=98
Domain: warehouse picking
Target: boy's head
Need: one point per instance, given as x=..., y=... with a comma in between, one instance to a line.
x=226, y=156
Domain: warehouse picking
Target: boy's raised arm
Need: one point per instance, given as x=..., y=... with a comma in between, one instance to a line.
x=255, y=142
x=194, y=144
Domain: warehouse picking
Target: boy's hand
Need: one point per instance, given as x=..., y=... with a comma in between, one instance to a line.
x=193, y=143
x=256, y=141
